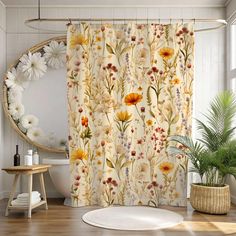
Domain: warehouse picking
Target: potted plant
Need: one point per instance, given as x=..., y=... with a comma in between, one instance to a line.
x=213, y=156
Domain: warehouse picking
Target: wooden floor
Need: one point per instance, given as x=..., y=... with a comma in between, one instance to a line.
x=61, y=220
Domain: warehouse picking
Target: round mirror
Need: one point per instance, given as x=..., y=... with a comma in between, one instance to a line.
x=35, y=97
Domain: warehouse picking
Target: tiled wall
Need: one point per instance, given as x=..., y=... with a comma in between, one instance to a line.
x=2, y=70
x=209, y=54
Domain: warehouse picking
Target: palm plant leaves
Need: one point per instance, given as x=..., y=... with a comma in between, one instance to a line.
x=195, y=152
x=225, y=159
x=218, y=129
x=214, y=155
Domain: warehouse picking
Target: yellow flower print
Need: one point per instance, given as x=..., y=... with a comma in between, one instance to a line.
x=149, y=122
x=140, y=88
x=133, y=99
x=99, y=47
x=78, y=154
x=143, y=53
x=77, y=40
x=166, y=167
x=123, y=116
x=98, y=39
x=99, y=162
x=175, y=81
x=176, y=195
x=166, y=53
x=98, y=153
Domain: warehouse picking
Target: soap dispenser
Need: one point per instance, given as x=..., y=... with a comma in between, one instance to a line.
x=28, y=158
x=35, y=157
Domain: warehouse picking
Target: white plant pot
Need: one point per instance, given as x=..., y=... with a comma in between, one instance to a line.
x=232, y=185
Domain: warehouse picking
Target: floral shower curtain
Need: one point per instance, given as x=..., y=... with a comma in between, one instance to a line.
x=129, y=90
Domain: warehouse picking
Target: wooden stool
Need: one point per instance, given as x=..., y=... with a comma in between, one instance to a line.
x=29, y=171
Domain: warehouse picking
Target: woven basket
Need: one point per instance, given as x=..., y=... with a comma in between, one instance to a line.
x=212, y=200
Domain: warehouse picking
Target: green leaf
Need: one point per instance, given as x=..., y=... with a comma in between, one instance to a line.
x=152, y=113
x=126, y=164
x=175, y=119
x=149, y=100
x=109, y=49
x=182, y=52
x=126, y=49
x=86, y=133
x=119, y=161
x=218, y=128
x=109, y=163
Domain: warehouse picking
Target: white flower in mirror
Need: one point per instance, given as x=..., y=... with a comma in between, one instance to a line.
x=14, y=95
x=16, y=79
x=29, y=121
x=35, y=134
x=24, y=130
x=16, y=110
x=33, y=65
x=55, y=54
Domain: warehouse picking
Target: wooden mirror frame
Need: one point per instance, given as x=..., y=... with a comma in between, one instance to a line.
x=34, y=49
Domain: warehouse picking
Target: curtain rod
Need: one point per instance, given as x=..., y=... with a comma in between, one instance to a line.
x=222, y=23
x=28, y=23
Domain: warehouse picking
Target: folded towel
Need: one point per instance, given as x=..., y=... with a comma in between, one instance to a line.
x=25, y=200
x=17, y=203
x=26, y=195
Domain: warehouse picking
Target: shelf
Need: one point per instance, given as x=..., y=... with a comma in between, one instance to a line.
x=27, y=207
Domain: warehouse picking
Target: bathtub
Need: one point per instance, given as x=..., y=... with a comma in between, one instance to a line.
x=60, y=175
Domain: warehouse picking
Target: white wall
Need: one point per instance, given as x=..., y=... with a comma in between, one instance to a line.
x=2, y=71
x=230, y=16
x=209, y=54
x=230, y=9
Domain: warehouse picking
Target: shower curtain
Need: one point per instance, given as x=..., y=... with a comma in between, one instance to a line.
x=129, y=90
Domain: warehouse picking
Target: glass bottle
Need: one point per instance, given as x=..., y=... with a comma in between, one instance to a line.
x=17, y=157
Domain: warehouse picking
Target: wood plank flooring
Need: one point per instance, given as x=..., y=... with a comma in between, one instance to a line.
x=60, y=220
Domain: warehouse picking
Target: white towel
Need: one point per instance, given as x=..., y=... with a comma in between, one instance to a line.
x=25, y=200
x=26, y=195
x=16, y=202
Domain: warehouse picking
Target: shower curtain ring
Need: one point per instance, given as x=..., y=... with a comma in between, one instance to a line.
x=182, y=21
x=69, y=23
x=170, y=21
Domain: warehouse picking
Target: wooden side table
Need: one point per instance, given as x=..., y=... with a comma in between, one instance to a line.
x=29, y=171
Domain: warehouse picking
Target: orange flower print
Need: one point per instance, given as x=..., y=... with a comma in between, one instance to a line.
x=84, y=121
x=149, y=122
x=166, y=167
x=175, y=81
x=78, y=154
x=133, y=99
x=166, y=53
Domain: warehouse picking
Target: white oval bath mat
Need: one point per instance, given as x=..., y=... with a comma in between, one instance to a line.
x=132, y=218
